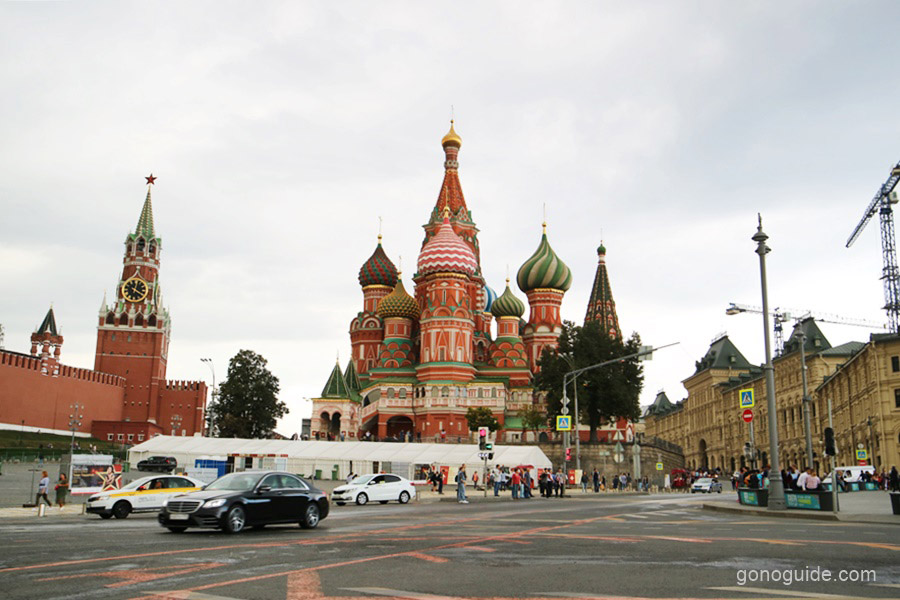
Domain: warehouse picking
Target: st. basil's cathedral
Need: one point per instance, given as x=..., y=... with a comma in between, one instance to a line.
x=419, y=362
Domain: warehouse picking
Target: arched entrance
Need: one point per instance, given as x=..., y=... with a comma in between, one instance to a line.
x=704, y=459
x=324, y=424
x=543, y=437
x=399, y=427
x=335, y=428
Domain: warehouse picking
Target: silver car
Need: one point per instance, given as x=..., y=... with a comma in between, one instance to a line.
x=706, y=485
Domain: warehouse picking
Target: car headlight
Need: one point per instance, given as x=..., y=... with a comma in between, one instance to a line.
x=214, y=503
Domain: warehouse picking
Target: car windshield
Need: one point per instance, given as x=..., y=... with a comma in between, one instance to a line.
x=361, y=480
x=241, y=482
x=704, y=480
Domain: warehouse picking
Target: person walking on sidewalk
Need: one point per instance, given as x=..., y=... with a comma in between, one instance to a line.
x=461, y=485
x=62, y=488
x=43, y=486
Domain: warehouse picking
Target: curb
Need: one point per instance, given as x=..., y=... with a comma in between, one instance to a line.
x=799, y=514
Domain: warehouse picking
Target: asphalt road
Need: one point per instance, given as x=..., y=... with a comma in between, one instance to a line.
x=644, y=547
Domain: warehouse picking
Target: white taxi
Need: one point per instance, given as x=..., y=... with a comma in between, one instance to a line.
x=147, y=494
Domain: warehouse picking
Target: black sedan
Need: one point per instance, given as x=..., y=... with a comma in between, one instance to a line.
x=254, y=498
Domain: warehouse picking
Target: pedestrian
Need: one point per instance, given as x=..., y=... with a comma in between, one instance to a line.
x=584, y=482
x=526, y=484
x=461, y=485
x=596, y=478
x=495, y=475
x=43, y=486
x=40, y=455
x=475, y=480
x=62, y=488
x=516, y=480
x=894, y=480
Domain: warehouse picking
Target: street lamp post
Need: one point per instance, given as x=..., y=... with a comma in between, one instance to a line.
x=807, y=427
x=212, y=368
x=776, y=486
x=74, y=424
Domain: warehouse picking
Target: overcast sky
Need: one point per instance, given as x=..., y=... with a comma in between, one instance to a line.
x=281, y=131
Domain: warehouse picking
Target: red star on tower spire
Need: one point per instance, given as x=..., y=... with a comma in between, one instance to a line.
x=151, y=179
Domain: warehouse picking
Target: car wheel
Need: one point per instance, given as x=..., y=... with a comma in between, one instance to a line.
x=177, y=529
x=235, y=520
x=106, y=515
x=310, y=516
x=121, y=509
x=404, y=497
x=719, y=491
x=362, y=499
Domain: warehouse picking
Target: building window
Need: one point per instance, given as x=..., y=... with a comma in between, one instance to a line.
x=120, y=437
x=130, y=436
x=897, y=398
x=895, y=364
x=109, y=437
x=140, y=437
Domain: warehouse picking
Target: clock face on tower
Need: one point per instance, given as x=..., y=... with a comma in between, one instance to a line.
x=135, y=289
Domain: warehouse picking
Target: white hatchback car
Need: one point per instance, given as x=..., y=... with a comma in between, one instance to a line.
x=382, y=488
x=147, y=494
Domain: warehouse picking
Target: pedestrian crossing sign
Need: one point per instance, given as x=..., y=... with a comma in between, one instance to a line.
x=659, y=466
x=747, y=398
x=564, y=423
x=862, y=455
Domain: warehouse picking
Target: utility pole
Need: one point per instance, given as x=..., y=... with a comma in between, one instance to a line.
x=776, y=486
x=74, y=423
x=807, y=426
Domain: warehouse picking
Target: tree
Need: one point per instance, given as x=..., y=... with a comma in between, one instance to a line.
x=481, y=417
x=605, y=393
x=533, y=418
x=247, y=405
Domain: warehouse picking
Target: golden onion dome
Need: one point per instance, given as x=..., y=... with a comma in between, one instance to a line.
x=452, y=138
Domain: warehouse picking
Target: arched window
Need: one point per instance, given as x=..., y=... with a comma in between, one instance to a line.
x=123, y=320
x=493, y=392
x=434, y=392
x=152, y=321
x=390, y=392
x=110, y=319
x=139, y=320
x=152, y=249
x=480, y=393
x=140, y=244
x=402, y=393
x=445, y=392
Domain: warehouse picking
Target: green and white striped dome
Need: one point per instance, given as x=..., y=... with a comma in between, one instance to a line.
x=544, y=270
x=507, y=305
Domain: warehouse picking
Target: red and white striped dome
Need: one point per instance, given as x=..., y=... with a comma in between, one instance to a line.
x=446, y=252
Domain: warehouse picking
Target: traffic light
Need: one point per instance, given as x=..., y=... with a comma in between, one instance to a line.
x=568, y=454
x=829, y=442
x=488, y=446
x=482, y=438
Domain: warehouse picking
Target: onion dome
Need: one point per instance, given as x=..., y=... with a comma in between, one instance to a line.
x=489, y=297
x=398, y=304
x=601, y=250
x=452, y=138
x=544, y=269
x=507, y=305
x=446, y=252
x=378, y=270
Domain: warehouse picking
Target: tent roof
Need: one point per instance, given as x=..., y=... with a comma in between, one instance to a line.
x=448, y=454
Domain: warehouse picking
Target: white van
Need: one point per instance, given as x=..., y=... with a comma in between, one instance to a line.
x=855, y=473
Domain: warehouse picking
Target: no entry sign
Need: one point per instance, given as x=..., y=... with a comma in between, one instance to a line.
x=747, y=415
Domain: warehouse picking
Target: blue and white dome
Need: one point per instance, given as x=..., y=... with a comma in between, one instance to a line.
x=489, y=297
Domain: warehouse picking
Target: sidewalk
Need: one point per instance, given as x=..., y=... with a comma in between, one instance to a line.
x=855, y=507
x=473, y=496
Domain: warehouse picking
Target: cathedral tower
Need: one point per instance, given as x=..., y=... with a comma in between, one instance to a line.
x=133, y=332
x=377, y=276
x=601, y=307
x=50, y=342
x=545, y=279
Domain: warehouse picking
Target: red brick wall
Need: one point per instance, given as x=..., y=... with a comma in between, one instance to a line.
x=186, y=399
x=44, y=401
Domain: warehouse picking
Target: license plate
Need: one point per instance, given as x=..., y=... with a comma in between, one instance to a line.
x=177, y=517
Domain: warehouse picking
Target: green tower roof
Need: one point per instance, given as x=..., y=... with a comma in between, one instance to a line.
x=48, y=325
x=601, y=306
x=544, y=269
x=351, y=378
x=507, y=305
x=722, y=354
x=336, y=386
x=145, y=222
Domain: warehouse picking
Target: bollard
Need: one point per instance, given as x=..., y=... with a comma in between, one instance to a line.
x=42, y=510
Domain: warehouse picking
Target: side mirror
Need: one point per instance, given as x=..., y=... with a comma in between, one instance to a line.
x=263, y=489
x=371, y=483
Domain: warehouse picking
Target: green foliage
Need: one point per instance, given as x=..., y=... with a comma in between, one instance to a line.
x=605, y=393
x=533, y=418
x=481, y=417
x=247, y=405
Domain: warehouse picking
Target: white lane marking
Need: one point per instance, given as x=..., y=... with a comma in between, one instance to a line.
x=786, y=593
x=377, y=591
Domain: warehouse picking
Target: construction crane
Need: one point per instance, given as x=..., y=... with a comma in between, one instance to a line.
x=881, y=203
x=779, y=316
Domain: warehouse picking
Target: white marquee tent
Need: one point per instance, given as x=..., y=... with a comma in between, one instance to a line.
x=332, y=460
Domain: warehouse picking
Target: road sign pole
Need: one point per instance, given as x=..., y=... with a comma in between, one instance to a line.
x=753, y=448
